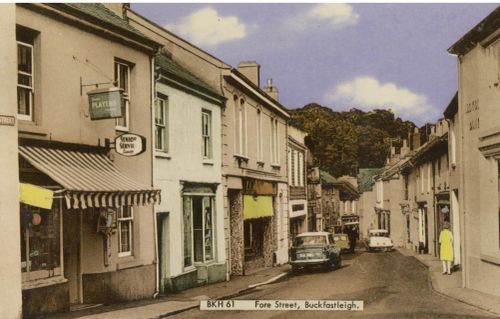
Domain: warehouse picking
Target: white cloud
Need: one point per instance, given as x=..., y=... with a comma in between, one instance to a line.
x=336, y=15
x=207, y=27
x=367, y=93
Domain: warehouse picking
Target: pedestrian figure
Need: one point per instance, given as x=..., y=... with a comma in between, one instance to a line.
x=446, y=251
x=352, y=235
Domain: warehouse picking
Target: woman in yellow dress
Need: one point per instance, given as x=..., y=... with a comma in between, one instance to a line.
x=446, y=251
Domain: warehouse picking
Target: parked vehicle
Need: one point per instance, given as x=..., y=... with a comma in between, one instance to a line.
x=378, y=239
x=341, y=241
x=314, y=249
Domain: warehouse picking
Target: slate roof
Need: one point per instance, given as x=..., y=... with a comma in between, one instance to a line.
x=172, y=69
x=101, y=12
x=365, y=178
x=328, y=179
x=480, y=32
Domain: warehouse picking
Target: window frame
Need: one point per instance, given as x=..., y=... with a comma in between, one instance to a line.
x=130, y=221
x=275, y=158
x=260, y=152
x=25, y=117
x=164, y=125
x=193, y=262
x=300, y=172
x=206, y=137
x=126, y=95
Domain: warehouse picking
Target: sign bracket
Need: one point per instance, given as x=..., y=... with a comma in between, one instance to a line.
x=94, y=84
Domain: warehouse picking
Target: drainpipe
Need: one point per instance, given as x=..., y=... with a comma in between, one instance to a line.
x=461, y=190
x=155, y=224
x=434, y=203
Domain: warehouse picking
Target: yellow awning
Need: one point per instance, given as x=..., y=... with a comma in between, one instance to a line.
x=35, y=196
x=257, y=206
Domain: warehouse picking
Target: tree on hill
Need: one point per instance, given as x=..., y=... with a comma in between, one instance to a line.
x=341, y=142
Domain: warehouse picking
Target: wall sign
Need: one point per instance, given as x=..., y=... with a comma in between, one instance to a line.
x=129, y=144
x=106, y=103
x=7, y=120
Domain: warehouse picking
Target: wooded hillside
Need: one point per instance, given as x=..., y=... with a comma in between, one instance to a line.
x=343, y=141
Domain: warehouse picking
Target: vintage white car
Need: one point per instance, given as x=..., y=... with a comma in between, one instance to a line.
x=378, y=239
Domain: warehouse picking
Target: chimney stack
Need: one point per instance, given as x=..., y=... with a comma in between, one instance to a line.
x=271, y=89
x=415, y=139
x=405, y=149
x=117, y=8
x=251, y=70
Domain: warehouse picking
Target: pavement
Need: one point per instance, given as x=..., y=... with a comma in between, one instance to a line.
x=451, y=286
x=175, y=303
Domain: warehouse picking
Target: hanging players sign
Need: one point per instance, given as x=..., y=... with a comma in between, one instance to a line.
x=106, y=103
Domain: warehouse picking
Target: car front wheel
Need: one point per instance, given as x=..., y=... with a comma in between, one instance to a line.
x=338, y=264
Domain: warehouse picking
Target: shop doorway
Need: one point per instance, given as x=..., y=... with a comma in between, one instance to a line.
x=162, y=224
x=423, y=230
x=72, y=254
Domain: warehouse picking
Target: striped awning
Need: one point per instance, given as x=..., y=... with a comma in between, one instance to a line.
x=90, y=179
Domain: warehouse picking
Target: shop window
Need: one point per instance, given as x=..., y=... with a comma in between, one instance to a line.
x=198, y=229
x=206, y=133
x=25, y=73
x=122, y=80
x=161, y=124
x=125, y=230
x=40, y=241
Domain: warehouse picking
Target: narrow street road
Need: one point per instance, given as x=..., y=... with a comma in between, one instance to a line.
x=390, y=284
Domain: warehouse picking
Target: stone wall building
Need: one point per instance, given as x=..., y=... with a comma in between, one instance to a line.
x=477, y=154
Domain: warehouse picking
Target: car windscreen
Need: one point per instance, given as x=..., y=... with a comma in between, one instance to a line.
x=309, y=240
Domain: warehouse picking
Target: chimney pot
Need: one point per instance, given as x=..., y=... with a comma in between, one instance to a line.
x=271, y=90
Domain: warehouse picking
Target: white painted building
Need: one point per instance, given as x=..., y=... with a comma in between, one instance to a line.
x=187, y=169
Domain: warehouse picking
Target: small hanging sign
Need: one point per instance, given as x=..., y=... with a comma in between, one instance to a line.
x=129, y=144
x=106, y=103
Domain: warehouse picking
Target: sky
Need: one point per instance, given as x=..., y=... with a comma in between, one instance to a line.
x=338, y=55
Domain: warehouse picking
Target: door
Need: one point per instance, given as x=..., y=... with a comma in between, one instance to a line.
x=162, y=233
x=72, y=266
x=426, y=230
x=422, y=225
